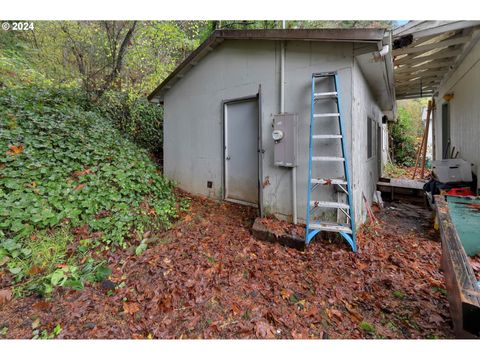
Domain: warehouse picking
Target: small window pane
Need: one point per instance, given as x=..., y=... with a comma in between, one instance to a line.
x=369, y=138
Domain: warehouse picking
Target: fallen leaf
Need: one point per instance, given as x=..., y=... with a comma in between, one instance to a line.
x=41, y=305
x=312, y=311
x=36, y=323
x=299, y=334
x=285, y=294
x=5, y=296
x=236, y=309
x=82, y=172
x=35, y=270
x=79, y=187
x=15, y=149
x=264, y=330
x=130, y=308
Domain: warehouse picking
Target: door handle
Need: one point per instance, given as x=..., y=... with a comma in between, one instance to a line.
x=228, y=157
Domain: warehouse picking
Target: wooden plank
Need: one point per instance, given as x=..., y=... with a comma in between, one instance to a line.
x=422, y=73
x=403, y=183
x=428, y=47
x=419, y=82
x=414, y=96
x=405, y=89
x=432, y=65
x=417, y=85
x=418, y=59
x=475, y=36
x=462, y=290
x=432, y=28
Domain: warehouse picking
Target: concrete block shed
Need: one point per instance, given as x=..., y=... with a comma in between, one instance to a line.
x=219, y=106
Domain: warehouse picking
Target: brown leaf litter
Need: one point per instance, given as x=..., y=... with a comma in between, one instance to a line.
x=207, y=277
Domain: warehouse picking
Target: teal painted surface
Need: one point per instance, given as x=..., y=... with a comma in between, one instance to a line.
x=465, y=214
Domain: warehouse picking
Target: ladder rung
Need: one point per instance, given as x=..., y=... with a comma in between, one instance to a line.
x=329, y=204
x=331, y=227
x=326, y=94
x=324, y=74
x=326, y=136
x=326, y=115
x=327, y=158
x=329, y=181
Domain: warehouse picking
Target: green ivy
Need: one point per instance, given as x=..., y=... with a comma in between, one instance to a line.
x=73, y=167
x=139, y=120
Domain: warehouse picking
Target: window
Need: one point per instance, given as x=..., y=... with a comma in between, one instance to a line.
x=370, y=134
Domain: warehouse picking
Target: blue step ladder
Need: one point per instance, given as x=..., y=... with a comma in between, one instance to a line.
x=344, y=205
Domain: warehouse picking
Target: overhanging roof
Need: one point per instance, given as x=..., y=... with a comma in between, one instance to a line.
x=374, y=36
x=427, y=52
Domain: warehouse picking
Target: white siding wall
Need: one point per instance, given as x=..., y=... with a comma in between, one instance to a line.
x=193, y=151
x=365, y=171
x=464, y=110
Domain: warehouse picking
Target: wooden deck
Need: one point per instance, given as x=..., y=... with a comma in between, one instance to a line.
x=462, y=287
x=402, y=189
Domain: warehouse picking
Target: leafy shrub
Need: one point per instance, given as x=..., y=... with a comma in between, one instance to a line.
x=393, y=170
x=69, y=178
x=405, y=132
x=60, y=163
x=135, y=117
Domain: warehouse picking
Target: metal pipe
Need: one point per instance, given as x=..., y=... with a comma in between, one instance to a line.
x=282, y=77
x=282, y=110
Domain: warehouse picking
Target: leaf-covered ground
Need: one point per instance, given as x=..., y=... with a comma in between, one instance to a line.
x=208, y=277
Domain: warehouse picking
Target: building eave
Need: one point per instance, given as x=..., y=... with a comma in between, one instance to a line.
x=374, y=36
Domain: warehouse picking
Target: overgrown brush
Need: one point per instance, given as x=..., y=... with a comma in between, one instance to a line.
x=62, y=167
x=137, y=119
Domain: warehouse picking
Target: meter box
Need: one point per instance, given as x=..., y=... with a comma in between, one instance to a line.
x=284, y=135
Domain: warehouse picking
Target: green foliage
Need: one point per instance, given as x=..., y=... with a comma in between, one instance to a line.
x=158, y=46
x=75, y=166
x=43, y=262
x=405, y=131
x=399, y=295
x=45, y=250
x=392, y=170
x=64, y=170
x=367, y=327
x=45, y=334
x=86, y=53
x=137, y=119
x=15, y=63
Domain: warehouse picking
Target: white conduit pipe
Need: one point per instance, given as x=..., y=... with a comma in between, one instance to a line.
x=282, y=110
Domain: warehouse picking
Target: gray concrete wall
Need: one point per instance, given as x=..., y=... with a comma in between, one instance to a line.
x=464, y=110
x=193, y=151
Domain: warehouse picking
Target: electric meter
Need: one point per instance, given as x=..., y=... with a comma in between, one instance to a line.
x=277, y=135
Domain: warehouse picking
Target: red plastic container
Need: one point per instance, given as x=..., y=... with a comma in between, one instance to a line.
x=462, y=191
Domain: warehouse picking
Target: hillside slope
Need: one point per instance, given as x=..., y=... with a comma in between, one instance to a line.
x=64, y=170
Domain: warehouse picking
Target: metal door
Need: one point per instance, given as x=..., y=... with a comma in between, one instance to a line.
x=241, y=139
